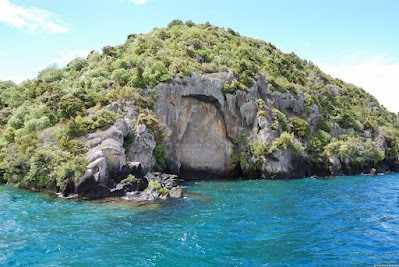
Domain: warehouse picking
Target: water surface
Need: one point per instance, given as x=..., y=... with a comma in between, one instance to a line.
x=337, y=221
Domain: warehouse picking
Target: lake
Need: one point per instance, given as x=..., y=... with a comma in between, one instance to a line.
x=335, y=221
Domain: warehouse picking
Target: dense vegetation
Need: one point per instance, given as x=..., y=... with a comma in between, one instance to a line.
x=42, y=119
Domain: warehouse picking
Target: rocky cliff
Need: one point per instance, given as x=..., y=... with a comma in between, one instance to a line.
x=196, y=101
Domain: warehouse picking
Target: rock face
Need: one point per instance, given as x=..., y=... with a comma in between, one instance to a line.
x=109, y=163
x=203, y=129
x=197, y=145
x=202, y=125
x=142, y=148
x=201, y=145
x=106, y=156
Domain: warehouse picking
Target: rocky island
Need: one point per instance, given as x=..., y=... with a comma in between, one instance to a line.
x=189, y=101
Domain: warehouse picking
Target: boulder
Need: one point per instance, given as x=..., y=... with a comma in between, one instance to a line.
x=287, y=102
x=99, y=170
x=176, y=193
x=114, y=154
x=134, y=168
x=141, y=184
x=117, y=192
x=284, y=164
x=136, y=185
x=88, y=188
x=118, y=131
x=142, y=148
x=248, y=112
x=126, y=186
x=139, y=196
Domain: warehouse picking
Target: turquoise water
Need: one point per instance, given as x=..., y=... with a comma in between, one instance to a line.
x=337, y=221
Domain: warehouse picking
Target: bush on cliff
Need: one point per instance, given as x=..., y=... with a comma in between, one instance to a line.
x=60, y=98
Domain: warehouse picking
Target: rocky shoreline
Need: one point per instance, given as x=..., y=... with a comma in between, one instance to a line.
x=201, y=139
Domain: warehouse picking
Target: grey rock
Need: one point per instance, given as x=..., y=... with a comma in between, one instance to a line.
x=208, y=86
x=126, y=186
x=336, y=130
x=248, y=112
x=135, y=169
x=142, y=148
x=94, y=154
x=99, y=169
x=114, y=107
x=199, y=59
x=170, y=183
x=176, y=193
x=288, y=103
x=199, y=141
x=148, y=195
x=263, y=131
x=88, y=188
x=117, y=131
x=117, y=192
x=336, y=166
x=314, y=116
x=333, y=90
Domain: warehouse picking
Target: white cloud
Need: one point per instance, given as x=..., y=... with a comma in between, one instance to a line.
x=375, y=74
x=3, y=54
x=17, y=78
x=140, y=2
x=66, y=57
x=32, y=71
x=34, y=19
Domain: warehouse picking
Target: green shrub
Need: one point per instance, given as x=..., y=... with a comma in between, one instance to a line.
x=121, y=76
x=159, y=155
x=353, y=149
x=258, y=149
x=104, y=118
x=34, y=124
x=41, y=164
x=285, y=141
x=189, y=23
x=163, y=191
x=246, y=79
x=156, y=73
x=316, y=147
x=150, y=120
x=51, y=74
x=279, y=120
x=300, y=127
x=129, y=179
x=77, y=64
x=324, y=126
x=79, y=126
x=9, y=134
x=174, y=23
x=137, y=78
x=231, y=88
x=155, y=184
x=74, y=146
x=71, y=167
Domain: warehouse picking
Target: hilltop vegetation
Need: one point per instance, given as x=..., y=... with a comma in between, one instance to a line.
x=42, y=120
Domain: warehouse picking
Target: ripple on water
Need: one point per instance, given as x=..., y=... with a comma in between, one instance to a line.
x=232, y=223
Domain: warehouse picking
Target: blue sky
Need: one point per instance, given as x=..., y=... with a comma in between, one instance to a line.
x=355, y=40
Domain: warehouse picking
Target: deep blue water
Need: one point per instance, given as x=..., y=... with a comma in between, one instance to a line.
x=308, y=222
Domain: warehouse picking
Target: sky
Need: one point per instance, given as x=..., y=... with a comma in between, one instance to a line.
x=354, y=40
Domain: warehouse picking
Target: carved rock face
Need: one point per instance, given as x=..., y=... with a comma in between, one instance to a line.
x=203, y=146
x=197, y=145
